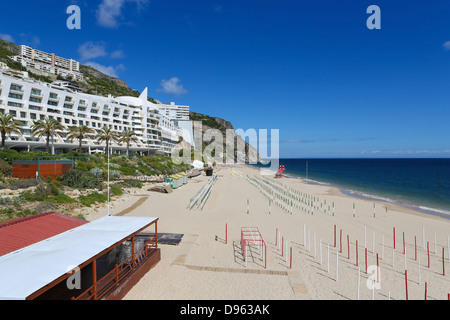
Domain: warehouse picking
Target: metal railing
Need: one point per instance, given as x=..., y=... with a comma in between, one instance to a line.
x=104, y=285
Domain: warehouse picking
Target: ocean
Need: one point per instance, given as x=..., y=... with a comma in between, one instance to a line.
x=423, y=184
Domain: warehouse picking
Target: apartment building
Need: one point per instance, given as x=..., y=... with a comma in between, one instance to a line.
x=49, y=63
x=29, y=100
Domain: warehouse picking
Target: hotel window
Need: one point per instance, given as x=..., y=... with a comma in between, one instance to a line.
x=53, y=96
x=42, y=117
x=67, y=121
x=33, y=116
x=13, y=113
x=16, y=88
x=32, y=99
x=13, y=104
x=15, y=96
x=52, y=103
x=36, y=92
x=23, y=114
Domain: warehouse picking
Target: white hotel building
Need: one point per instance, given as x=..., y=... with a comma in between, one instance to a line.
x=28, y=100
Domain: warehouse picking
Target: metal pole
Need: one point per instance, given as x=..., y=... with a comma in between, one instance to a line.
x=109, y=213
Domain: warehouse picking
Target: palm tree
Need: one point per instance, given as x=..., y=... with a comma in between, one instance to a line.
x=46, y=127
x=79, y=133
x=8, y=125
x=128, y=136
x=107, y=134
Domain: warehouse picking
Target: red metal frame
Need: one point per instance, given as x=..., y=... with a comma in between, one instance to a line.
x=251, y=237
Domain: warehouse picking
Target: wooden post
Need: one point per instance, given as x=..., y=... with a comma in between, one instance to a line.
x=94, y=278
x=226, y=233
x=132, y=252
x=404, y=243
x=290, y=257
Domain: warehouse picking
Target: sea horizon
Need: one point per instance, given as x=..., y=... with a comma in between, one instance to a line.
x=421, y=184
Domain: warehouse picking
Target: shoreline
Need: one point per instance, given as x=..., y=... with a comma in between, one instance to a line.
x=435, y=212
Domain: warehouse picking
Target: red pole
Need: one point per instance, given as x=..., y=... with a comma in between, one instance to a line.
x=366, y=259
x=226, y=233
x=335, y=236
x=378, y=270
x=348, y=245
x=341, y=241
x=265, y=256
x=426, y=287
x=291, y=259
x=406, y=283
x=276, y=237
x=356, y=252
x=394, y=237
x=448, y=296
x=428, y=250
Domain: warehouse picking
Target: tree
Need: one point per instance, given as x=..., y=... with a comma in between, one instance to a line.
x=8, y=125
x=47, y=127
x=128, y=136
x=107, y=134
x=79, y=133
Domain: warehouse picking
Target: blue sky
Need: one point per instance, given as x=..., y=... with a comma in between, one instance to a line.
x=311, y=69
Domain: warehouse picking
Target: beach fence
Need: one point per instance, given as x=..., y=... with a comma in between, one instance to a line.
x=201, y=197
x=251, y=237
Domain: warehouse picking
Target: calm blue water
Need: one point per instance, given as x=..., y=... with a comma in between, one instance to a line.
x=422, y=183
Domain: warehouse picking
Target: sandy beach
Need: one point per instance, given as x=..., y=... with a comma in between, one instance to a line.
x=204, y=267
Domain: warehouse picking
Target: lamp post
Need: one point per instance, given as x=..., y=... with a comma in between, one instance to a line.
x=109, y=213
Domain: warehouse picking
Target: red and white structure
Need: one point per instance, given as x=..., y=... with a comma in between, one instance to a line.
x=251, y=237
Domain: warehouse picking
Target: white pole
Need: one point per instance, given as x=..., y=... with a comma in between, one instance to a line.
x=389, y=295
x=320, y=249
x=337, y=265
x=109, y=213
x=365, y=237
x=359, y=276
x=393, y=257
x=309, y=240
x=418, y=266
x=287, y=250
x=405, y=258
x=328, y=259
x=315, y=245
x=382, y=248
x=373, y=289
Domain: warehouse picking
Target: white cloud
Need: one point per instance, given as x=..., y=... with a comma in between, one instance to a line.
x=118, y=54
x=172, y=86
x=6, y=37
x=446, y=45
x=91, y=50
x=109, y=12
x=111, y=71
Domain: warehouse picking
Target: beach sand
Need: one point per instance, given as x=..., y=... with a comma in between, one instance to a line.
x=203, y=267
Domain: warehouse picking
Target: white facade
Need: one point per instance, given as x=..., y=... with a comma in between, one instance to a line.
x=48, y=62
x=28, y=100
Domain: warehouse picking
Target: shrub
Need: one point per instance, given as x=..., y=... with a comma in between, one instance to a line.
x=80, y=180
x=92, y=198
x=61, y=199
x=115, y=190
x=43, y=191
x=130, y=183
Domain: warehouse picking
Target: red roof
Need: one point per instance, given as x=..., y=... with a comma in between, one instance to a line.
x=20, y=233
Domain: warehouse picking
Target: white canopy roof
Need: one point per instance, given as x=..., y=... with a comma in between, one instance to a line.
x=27, y=270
